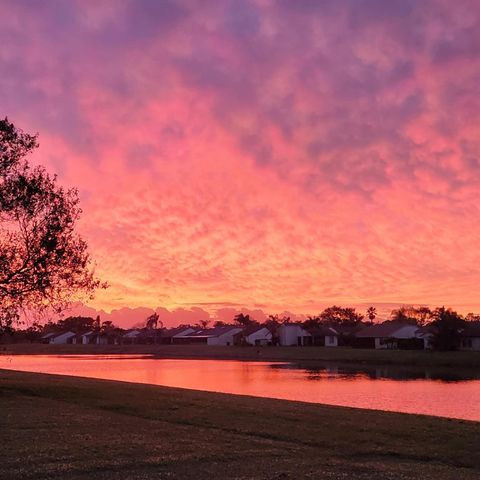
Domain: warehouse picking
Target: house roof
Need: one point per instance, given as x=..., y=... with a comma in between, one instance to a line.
x=251, y=329
x=381, y=330
x=213, y=332
x=472, y=329
x=48, y=335
x=321, y=331
x=171, y=332
x=132, y=333
x=348, y=329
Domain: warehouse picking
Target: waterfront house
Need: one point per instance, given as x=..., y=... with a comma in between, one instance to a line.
x=322, y=336
x=254, y=335
x=131, y=336
x=58, y=338
x=169, y=335
x=470, y=336
x=85, y=338
x=389, y=334
x=46, y=338
x=290, y=334
x=426, y=334
x=223, y=335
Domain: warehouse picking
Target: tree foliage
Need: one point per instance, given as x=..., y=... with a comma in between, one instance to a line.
x=447, y=326
x=414, y=315
x=336, y=315
x=371, y=313
x=44, y=263
x=243, y=319
x=153, y=321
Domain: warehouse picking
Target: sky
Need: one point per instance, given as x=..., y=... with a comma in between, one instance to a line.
x=268, y=155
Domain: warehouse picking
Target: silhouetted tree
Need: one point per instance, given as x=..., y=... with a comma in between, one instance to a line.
x=75, y=324
x=312, y=321
x=43, y=261
x=371, y=313
x=447, y=325
x=336, y=315
x=107, y=326
x=410, y=314
x=243, y=319
x=153, y=321
x=219, y=323
x=203, y=323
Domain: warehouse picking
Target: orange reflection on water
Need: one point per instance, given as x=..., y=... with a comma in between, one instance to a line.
x=459, y=399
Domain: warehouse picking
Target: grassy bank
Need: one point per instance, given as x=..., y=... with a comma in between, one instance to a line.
x=416, y=358
x=71, y=428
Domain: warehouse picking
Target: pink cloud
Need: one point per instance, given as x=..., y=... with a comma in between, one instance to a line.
x=292, y=154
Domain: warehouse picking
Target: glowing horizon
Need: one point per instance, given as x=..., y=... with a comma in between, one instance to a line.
x=272, y=155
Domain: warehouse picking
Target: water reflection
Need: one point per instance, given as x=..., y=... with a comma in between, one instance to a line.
x=382, y=388
x=349, y=372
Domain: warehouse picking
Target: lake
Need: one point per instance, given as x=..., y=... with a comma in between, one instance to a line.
x=387, y=388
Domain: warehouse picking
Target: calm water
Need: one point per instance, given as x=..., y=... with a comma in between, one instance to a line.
x=383, y=389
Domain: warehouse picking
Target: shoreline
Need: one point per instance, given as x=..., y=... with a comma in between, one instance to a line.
x=468, y=361
x=108, y=429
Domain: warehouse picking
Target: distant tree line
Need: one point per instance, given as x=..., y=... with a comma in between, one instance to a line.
x=444, y=323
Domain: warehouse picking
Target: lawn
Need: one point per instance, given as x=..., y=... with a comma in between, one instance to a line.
x=73, y=428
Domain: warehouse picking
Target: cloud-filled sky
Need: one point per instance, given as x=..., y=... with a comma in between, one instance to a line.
x=277, y=155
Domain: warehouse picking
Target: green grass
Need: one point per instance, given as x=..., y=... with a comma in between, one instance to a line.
x=416, y=358
x=74, y=428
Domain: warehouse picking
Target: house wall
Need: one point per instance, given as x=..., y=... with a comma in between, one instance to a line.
x=289, y=335
x=261, y=337
x=331, y=341
x=472, y=344
x=189, y=340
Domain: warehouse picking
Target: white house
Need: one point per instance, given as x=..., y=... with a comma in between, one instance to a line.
x=85, y=338
x=470, y=337
x=387, y=335
x=254, y=335
x=322, y=336
x=47, y=337
x=293, y=334
x=178, y=332
x=211, y=336
x=61, y=338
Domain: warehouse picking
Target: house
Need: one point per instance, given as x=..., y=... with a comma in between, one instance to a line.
x=346, y=333
x=131, y=336
x=426, y=334
x=470, y=336
x=84, y=338
x=223, y=335
x=168, y=335
x=293, y=334
x=47, y=337
x=322, y=336
x=254, y=335
x=58, y=338
x=389, y=334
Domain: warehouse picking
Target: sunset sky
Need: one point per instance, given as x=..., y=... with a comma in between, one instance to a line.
x=276, y=155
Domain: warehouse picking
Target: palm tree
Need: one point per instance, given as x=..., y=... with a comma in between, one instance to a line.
x=371, y=313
